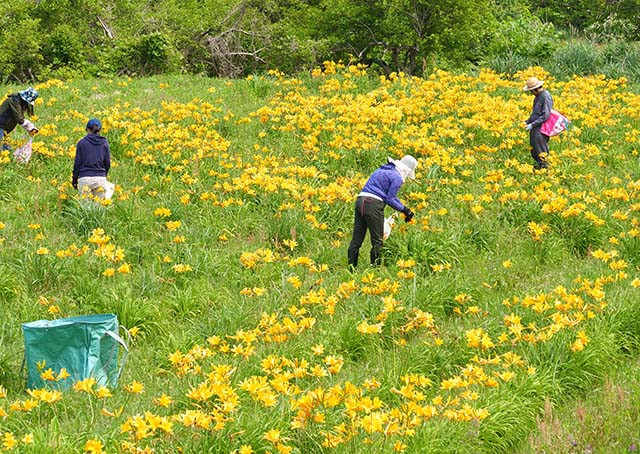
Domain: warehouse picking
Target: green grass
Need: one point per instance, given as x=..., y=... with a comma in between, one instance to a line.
x=605, y=419
x=270, y=187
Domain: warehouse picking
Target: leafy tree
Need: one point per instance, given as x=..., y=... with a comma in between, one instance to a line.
x=577, y=13
x=401, y=35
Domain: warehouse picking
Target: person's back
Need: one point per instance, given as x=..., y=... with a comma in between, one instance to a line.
x=92, y=163
x=92, y=157
x=11, y=113
x=384, y=183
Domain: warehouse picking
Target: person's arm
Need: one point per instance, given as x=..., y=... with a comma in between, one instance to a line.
x=76, y=166
x=392, y=194
x=18, y=113
x=107, y=158
x=395, y=203
x=28, y=126
x=545, y=111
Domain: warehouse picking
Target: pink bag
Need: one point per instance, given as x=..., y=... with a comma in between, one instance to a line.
x=23, y=152
x=555, y=124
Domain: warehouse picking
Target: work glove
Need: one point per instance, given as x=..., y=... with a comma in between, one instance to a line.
x=408, y=214
x=528, y=127
x=29, y=127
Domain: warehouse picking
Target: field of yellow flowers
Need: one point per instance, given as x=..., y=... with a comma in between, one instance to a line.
x=223, y=252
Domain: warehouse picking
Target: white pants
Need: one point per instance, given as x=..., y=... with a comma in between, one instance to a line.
x=96, y=187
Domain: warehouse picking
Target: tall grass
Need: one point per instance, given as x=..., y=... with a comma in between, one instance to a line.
x=577, y=57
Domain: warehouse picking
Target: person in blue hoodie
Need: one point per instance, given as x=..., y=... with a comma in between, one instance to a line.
x=380, y=189
x=92, y=163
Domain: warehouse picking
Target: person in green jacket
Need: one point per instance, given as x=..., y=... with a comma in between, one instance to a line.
x=12, y=113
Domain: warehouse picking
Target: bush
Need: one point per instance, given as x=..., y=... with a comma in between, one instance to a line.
x=612, y=28
x=20, y=50
x=577, y=14
x=63, y=47
x=144, y=55
x=583, y=57
x=526, y=36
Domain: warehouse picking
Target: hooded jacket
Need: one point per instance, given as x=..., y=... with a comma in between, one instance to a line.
x=93, y=158
x=11, y=113
x=385, y=183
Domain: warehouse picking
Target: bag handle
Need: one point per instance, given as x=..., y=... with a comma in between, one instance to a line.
x=115, y=336
x=23, y=368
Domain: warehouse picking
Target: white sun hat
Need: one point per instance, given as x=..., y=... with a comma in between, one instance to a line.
x=407, y=166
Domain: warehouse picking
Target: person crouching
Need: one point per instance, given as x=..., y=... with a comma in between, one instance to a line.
x=380, y=189
x=92, y=164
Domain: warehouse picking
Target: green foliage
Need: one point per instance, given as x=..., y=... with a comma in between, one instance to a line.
x=405, y=35
x=579, y=58
x=20, y=44
x=523, y=34
x=612, y=28
x=619, y=16
x=63, y=47
x=604, y=418
x=70, y=38
x=583, y=57
x=146, y=54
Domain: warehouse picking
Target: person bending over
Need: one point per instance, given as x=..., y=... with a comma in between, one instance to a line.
x=12, y=113
x=381, y=189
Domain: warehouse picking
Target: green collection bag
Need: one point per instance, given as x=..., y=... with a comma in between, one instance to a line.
x=87, y=346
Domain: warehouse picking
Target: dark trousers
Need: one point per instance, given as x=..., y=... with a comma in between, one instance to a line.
x=539, y=147
x=369, y=214
x=3, y=146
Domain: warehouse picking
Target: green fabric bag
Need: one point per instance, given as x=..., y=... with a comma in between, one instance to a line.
x=86, y=346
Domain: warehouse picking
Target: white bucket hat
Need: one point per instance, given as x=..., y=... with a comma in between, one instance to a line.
x=532, y=84
x=407, y=166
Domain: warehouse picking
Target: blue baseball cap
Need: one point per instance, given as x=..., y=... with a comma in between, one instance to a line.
x=94, y=123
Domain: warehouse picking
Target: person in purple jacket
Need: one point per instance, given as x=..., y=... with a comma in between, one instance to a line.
x=381, y=189
x=92, y=164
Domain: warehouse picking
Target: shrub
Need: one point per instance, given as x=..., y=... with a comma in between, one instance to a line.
x=63, y=47
x=20, y=50
x=143, y=55
x=612, y=28
x=526, y=36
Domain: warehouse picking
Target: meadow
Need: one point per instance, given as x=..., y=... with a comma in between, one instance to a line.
x=223, y=253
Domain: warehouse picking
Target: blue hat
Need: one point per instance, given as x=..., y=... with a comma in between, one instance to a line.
x=29, y=95
x=94, y=123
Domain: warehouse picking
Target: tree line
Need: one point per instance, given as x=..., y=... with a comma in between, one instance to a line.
x=232, y=38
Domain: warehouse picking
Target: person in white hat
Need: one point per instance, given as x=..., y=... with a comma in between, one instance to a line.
x=380, y=189
x=542, y=105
